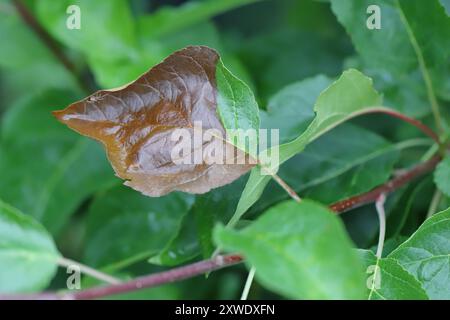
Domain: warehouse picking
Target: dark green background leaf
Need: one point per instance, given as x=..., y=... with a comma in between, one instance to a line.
x=28, y=256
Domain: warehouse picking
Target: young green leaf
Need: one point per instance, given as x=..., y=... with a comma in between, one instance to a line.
x=299, y=250
x=28, y=256
x=442, y=176
x=190, y=90
x=289, y=110
x=350, y=95
x=426, y=255
x=124, y=226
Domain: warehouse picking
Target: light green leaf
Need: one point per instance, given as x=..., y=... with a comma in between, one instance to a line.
x=442, y=176
x=426, y=255
x=125, y=226
x=299, y=250
x=236, y=105
x=28, y=256
x=107, y=37
x=58, y=170
x=350, y=95
x=387, y=280
x=289, y=110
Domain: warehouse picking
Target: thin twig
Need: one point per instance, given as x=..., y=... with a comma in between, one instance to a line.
x=434, y=204
x=152, y=280
x=287, y=188
x=379, y=205
x=388, y=187
x=248, y=283
x=419, y=125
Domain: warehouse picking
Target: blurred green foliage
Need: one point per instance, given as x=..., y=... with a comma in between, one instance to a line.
x=288, y=51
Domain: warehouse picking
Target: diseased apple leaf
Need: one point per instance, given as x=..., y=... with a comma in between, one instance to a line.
x=189, y=90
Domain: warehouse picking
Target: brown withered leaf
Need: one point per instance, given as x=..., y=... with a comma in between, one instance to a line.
x=135, y=124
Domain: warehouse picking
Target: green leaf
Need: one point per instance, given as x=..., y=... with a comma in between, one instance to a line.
x=125, y=226
x=215, y=206
x=99, y=20
x=195, y=234
x=299, y=250
x=184, y=245
x=426, y=255
x=389, y=245
x=28, y=256
x=407, y=215
x=107, y=37
x=19, y=40
x=389, y=281
x=289, y=110
x=58, y=170
x=442, y=176
x=350, y=95
x=446, y=4
x=336, y=166
x=413, y=31
x=272, y=55
x=236, y=104
x=171, y=19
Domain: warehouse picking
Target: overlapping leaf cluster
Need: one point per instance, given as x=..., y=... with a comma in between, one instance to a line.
x=63, y=183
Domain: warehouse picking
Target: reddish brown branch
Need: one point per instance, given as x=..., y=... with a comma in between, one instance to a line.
x=153, y=280
x=388, y=187
x=419, y=125
x=223, y=261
